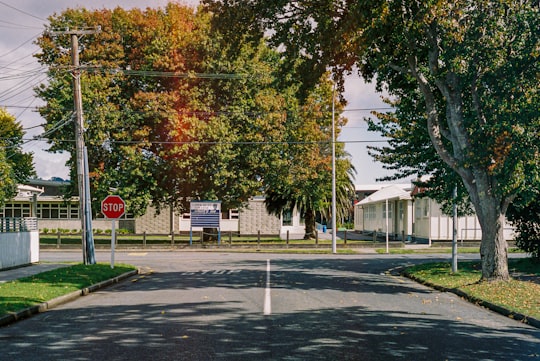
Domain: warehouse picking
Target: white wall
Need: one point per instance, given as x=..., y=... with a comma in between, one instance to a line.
x=18, y=248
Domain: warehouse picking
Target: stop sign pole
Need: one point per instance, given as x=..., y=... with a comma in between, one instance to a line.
x=113, y=207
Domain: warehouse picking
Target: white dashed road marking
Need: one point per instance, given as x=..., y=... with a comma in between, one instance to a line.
x=267, y=296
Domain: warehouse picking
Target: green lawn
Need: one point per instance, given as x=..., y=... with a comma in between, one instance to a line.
x=30, y=291
x=520, y=295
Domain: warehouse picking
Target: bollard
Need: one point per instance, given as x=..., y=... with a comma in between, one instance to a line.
x=287, y=239
x=144, y=239
x=58, y=239
x=345, y=237
x=259, y=239
x=230, y=238
x=316, y=239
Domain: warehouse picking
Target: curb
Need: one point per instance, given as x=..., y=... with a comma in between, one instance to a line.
x=490, y=306
x=55, y=302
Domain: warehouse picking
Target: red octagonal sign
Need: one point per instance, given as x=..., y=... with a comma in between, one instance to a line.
x=113, y=207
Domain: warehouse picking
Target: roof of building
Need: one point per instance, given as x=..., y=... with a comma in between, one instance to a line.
x=27, y=191
x=390, y=192
x=378, y=186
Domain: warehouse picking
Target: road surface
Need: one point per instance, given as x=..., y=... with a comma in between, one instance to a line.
x=235, y=306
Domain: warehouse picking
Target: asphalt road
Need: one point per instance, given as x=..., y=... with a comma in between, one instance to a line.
x=233, y=306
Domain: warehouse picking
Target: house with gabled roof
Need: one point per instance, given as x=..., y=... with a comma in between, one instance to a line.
x=405, y=215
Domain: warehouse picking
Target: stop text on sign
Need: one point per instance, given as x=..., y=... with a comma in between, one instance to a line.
x=113, y=207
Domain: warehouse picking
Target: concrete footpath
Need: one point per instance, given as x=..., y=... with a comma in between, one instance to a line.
x=29, y=270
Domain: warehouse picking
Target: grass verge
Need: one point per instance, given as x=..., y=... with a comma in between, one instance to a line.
x=521, y=295
x=30, y=291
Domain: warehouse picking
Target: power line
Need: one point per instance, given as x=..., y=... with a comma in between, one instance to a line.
x=20, y=46
x=10, y=25
x=367, y=109
x=135, y=142
x=22, y=11
x=167, y=74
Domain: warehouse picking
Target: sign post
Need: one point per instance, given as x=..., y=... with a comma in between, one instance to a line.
x=113, y=207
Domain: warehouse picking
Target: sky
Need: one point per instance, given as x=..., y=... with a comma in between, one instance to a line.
x=22, y=22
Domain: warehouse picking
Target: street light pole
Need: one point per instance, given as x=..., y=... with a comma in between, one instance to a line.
x=334, y=247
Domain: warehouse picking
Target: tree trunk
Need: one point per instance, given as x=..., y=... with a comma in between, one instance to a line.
x=309, y=219
x=494, y=252
x=490, y=208
x=494, y=248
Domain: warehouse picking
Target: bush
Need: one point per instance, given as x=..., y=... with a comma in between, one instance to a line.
x=526, y=220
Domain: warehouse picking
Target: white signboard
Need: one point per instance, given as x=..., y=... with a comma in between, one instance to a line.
x=205, y=214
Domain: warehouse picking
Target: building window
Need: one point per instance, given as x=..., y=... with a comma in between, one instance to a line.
x=229, y=214
x=74, y=211
x=56, y=211
x=287, y=218
x=16, y=210
x=390, y=210
x=421, y=208
x=426, y=208
x=371, y=211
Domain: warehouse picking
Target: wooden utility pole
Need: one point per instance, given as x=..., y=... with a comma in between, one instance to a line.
x=82, y=175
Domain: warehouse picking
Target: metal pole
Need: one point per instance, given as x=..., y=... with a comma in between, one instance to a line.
x=334, y=247
x=90, y=249
x=454, y=232
x=113, y=241
x=386, y=213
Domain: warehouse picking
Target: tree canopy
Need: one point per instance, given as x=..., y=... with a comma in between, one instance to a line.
x=16, y=166
x=174, y=110
x=302, y=178
x=462, y=76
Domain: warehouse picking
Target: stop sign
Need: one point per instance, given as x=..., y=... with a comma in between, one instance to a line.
x=113, y=207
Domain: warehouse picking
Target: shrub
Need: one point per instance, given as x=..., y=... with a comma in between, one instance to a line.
x=526, y=220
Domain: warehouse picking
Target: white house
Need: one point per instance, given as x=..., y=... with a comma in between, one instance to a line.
x=388, y=210
x=410, y=217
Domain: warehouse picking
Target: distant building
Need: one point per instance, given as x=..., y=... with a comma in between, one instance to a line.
x=398, y=211
x=44, y=199
x=364, y=191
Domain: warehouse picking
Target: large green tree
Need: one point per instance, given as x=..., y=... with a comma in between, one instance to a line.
x=468, y=69
x=170, y=114
x=174, y=110
x=16, y=166
x=302, y=180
